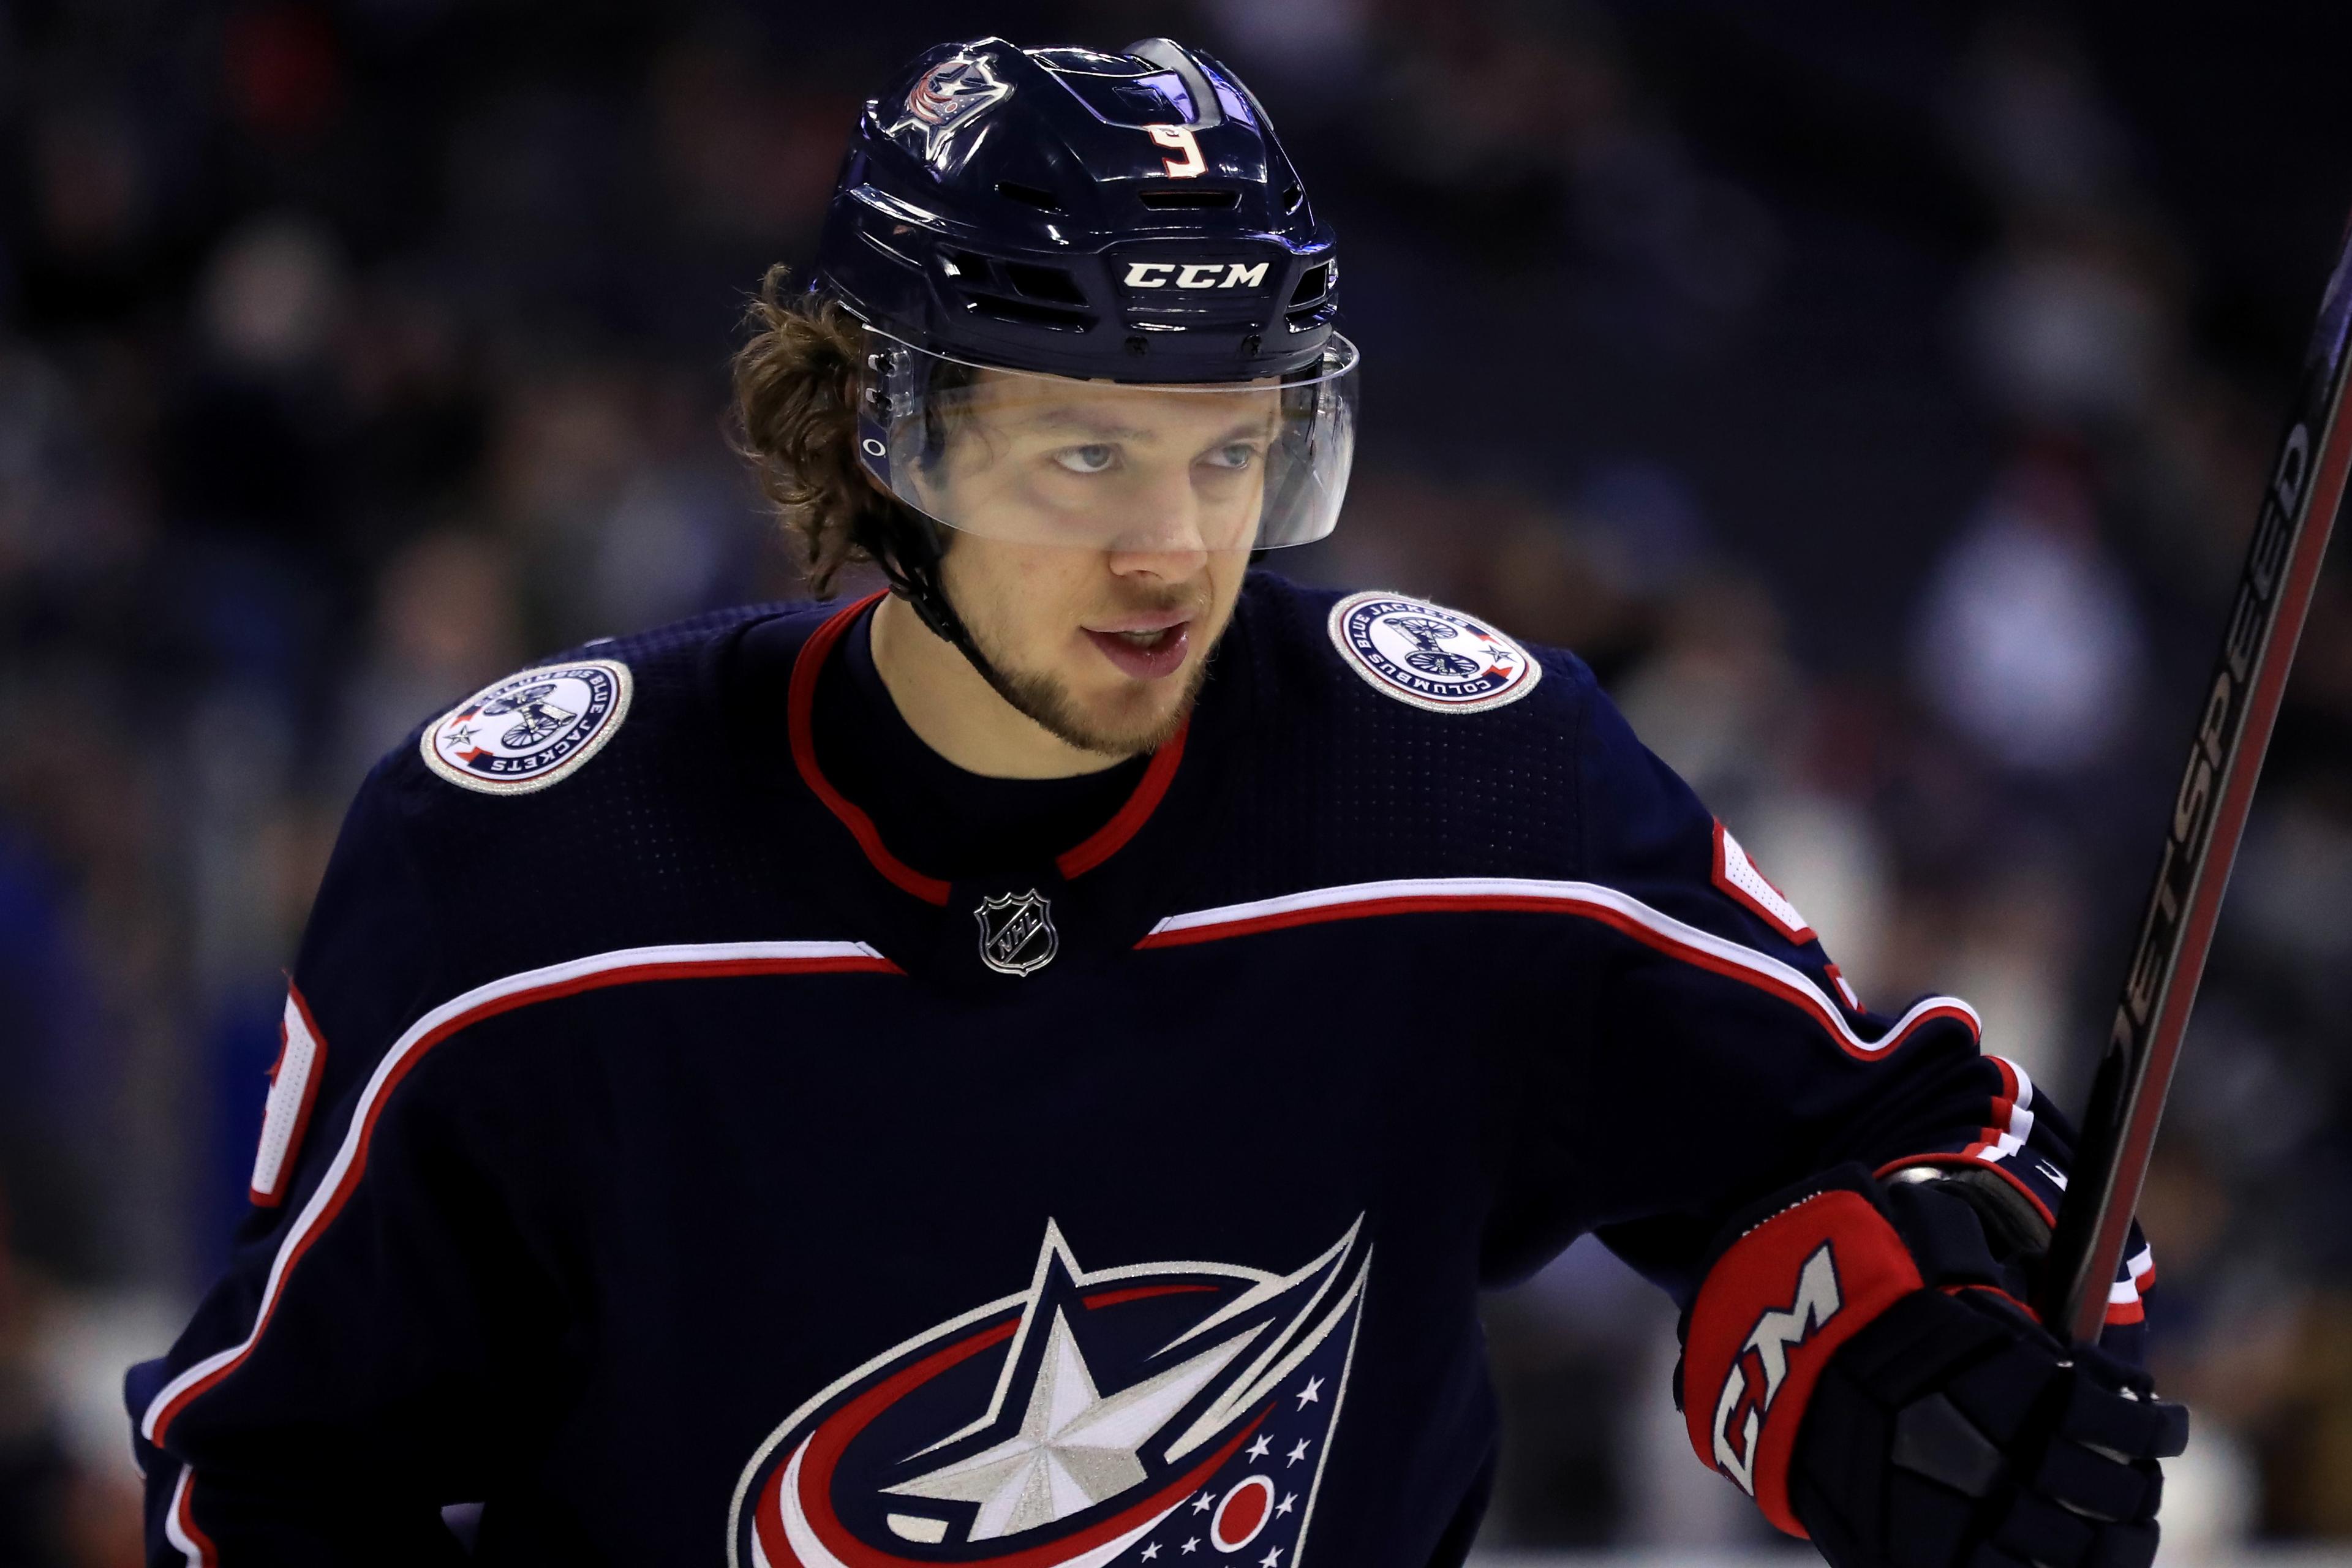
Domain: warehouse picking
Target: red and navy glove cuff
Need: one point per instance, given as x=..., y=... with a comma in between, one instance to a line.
x=1779, y=1299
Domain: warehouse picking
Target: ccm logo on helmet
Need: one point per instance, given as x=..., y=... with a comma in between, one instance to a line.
x=1196, y=275
x=1776, y=1333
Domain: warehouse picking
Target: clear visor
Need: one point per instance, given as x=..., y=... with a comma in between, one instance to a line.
x=1104, y=465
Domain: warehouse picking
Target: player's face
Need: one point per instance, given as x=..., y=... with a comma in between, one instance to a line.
x=1102, y=535
x=1098, y=466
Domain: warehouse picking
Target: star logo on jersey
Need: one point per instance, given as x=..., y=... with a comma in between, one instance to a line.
x=1016, y=933
x=530, y=729
x=1127, y=1415
x=1429, y=657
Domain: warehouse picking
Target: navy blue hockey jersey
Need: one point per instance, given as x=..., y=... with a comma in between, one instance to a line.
x=661, y=1160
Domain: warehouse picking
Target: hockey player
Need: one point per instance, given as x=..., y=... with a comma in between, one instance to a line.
x=1034, y=1067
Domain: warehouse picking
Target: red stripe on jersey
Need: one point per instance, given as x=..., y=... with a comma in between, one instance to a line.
x=196, y=1547
x=800, y=710
x=1647, y=927
x=313, y=1222
x=1111, y=836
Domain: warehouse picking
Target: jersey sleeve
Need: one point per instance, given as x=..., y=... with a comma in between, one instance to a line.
x=317, y=1407
x=1708, y=1052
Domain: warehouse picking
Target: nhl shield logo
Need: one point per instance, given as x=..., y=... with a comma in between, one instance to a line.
x=1017, y=934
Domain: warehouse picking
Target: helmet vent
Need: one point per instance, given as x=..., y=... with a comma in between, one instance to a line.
x=1020, y=292
x=1028, y=312
x=1311, y=284
x=885, y=248
x=1291, y=199
x=1188, y=200
x=1044, y=283
x=1028, y=195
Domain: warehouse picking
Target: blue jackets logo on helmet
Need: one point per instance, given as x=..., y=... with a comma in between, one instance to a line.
x=946, y=95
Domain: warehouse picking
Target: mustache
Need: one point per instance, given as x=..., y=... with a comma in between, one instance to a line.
x=1139, y=601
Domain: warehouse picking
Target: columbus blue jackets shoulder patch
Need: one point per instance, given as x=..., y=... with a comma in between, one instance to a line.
x=527, y=731
x=1429, y=656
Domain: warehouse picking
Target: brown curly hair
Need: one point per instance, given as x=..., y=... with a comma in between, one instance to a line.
x=796, y=387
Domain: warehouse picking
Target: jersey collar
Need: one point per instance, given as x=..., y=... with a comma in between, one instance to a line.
x=1098, y=846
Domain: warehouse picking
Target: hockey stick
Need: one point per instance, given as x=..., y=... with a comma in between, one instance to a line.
x=2299, y=512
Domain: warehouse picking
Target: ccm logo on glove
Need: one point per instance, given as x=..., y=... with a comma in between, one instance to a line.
x=1776, y=1333
x=1775, y=1305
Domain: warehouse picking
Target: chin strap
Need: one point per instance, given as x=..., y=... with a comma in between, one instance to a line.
x=908, y=548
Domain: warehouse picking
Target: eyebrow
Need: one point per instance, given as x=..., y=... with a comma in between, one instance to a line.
x=1090, y=424
x=1084, y=423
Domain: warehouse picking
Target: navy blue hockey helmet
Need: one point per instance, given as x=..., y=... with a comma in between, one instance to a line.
x=1126, y=216
x=1125, y=221
x=1098, y=310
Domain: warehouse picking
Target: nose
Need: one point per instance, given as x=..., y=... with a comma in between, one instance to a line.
x=1163, y=535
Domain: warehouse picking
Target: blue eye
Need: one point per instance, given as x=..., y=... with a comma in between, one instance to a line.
x=1234, y=455
x=1087, y=459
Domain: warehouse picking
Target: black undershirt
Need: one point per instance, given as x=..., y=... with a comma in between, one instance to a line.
x=932, y=814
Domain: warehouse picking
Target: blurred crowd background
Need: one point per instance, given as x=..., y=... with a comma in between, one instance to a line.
x=1877, y=396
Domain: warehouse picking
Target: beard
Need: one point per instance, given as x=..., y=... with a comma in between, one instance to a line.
x=1049, y=703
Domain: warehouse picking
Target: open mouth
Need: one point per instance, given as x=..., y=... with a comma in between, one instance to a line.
x=1148, y=653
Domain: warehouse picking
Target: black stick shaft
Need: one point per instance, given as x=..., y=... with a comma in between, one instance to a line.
x=2233, y=731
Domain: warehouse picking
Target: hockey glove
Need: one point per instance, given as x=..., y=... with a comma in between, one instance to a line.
x=1853, y=1363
